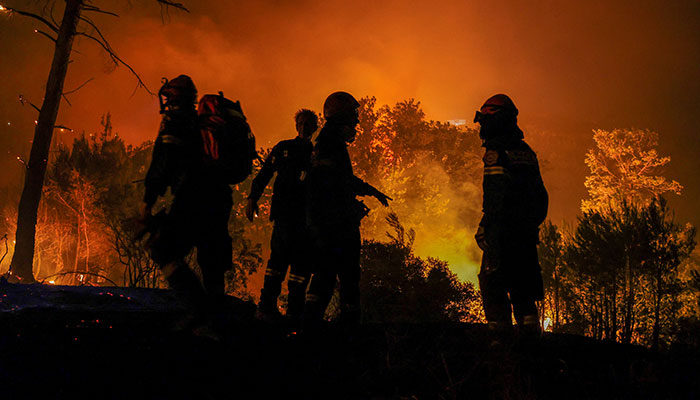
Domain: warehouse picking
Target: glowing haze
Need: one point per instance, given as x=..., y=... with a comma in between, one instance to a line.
x=569, y=67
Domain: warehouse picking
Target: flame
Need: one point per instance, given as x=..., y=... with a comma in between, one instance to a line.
x=547, y=325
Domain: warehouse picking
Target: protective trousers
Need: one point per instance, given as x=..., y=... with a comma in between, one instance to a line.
x=289, y=246
x=337, y=256
x=510, y=277
x=198, y=217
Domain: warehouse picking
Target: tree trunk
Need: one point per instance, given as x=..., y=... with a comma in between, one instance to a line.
x=22, y=259
x=657, y=312
x=556, y=300
x=613, y=309
x=629, y=307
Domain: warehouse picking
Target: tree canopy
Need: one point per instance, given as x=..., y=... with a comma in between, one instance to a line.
x=626, y=166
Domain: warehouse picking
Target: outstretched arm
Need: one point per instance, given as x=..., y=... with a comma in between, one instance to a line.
x=362, y=188
x=259, y=183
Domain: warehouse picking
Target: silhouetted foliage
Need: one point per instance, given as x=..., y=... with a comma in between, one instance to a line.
x=398, y=286
x=551, y=252
x=618, y=278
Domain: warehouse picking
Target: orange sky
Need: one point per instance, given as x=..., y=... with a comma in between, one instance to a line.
x=569, y=67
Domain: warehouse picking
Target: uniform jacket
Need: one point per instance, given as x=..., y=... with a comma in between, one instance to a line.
x=176, y=154
x=332, y=185
x=290, y=160
x=515, y=199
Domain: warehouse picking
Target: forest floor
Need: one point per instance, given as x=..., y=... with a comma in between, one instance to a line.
x=61, y=342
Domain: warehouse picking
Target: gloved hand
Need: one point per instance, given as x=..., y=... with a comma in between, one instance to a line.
x=384, y=199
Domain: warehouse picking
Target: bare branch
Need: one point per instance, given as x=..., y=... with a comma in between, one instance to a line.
x=173, y=4
x=53, y=4
x=136, y=89
x=79, y=87
x=88, y=7
x=66, y=99
x=63, y=127
x=53, y=39
x=35, y=16
x=165, y=8
x=96, y=29
x=24, y=101
x=117, y=60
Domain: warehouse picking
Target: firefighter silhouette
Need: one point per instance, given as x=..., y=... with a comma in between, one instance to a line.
x=289, y=244
x=334, y=213
x=514, y=205
x=201, y=205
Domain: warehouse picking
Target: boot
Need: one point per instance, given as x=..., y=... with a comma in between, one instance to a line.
x=501, y=333
x=530, y=329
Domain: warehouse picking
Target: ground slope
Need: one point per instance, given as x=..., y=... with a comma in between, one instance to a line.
x=87, y=342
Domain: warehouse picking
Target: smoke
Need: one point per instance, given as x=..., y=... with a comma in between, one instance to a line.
x=445, y=225
x=443, y=215
x=570, y=67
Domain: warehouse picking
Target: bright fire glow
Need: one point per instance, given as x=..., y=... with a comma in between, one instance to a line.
x=52, y=282
x=547, y=324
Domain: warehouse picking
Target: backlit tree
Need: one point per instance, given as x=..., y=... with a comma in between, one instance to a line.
x=625, y=164
x=76, y=21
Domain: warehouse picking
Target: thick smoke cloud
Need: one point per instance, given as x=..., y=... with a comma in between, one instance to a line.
x=569, y=67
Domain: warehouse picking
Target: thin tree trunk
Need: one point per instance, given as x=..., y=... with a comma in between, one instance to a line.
x=657, y=313
x=613, y=309
x=557, y=322
x=629, y=311
x=606, y=313
x=22, y=259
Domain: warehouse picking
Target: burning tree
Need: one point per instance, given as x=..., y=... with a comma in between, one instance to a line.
x=433, y=172
x=93, y=193
x=625, y=165
x=75, y=22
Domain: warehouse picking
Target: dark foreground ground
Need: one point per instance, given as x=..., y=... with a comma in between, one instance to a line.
x=115, y=343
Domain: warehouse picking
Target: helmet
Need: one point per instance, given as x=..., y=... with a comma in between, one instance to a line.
x=498, y=117
x=178, y=91
x=495, y=104
x=341, y=106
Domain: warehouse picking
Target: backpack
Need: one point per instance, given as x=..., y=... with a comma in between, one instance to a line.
x=228, y=143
